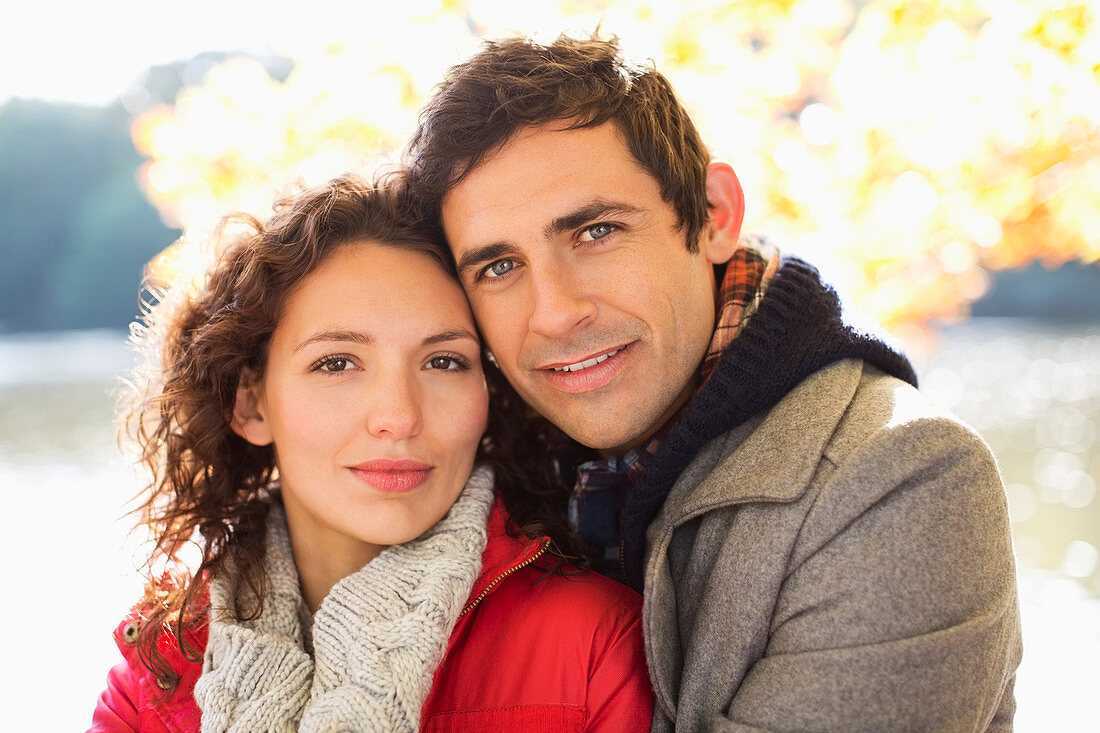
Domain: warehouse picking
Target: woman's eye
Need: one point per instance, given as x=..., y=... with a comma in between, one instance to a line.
x=498, y=268
x=597, y=231
x=447, y=363
x=334, y=364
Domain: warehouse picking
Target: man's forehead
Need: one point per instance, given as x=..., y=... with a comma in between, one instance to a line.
x=559, y=167
x=463, y=169
x=560, y=137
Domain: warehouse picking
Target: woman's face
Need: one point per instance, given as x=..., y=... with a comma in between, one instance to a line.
x=374, y=399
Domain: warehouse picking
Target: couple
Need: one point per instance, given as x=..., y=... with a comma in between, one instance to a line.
x=386, y=548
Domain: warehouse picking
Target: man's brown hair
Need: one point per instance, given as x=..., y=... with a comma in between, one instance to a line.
x=517, y=83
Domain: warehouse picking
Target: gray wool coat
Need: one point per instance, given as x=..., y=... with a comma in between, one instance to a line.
x=840, y=563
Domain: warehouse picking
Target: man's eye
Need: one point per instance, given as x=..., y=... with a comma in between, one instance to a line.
x=597, y=231
x=499, y=268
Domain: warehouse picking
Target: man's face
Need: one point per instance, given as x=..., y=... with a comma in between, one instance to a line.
x=582, y=282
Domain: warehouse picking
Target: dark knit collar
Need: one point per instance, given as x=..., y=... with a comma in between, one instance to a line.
x=797, y=330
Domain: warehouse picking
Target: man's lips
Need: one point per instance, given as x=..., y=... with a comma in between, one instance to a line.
x=589, y=373
x=586, y=363
x=583, y=362
x=392, y=476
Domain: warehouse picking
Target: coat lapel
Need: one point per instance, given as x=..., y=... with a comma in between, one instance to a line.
x=770, y=458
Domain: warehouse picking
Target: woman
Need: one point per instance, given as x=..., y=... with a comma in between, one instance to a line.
x=315, y=416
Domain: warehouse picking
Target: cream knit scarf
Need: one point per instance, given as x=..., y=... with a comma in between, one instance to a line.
x=378, y=636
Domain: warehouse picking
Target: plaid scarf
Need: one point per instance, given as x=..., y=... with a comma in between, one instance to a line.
x=602, y=485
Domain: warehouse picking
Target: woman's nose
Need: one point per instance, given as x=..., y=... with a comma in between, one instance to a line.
x=393, y=408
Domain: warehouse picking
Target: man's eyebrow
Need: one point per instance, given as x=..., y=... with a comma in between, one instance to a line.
x=598, y=209
x=580, y=216
x=357, y=337
x=479, y=255
x=452, y=334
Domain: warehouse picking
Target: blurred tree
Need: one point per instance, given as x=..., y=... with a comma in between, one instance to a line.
x=77, y=230
x=910, y=147
x=1068, y=293
x=76, y=227
x=114, y=232
x=159, y=84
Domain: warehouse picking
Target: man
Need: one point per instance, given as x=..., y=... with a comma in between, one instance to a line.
x=818, y=547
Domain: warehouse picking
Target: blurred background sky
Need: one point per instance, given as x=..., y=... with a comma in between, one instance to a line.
x=938, y=159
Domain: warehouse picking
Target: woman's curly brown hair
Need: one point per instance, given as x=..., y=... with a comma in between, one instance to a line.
x=207, y=484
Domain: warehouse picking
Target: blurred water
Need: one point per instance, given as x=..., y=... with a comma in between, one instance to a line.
x=70, y=570
x=1033, y=391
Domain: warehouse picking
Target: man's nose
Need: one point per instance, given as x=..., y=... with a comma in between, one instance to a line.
x=562, y=302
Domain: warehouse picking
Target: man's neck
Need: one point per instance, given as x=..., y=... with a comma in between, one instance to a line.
x=666, y=418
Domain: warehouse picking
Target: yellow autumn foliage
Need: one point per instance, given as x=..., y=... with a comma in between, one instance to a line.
x=909, y=146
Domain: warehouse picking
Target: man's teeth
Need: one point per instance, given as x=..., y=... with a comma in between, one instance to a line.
x=587, y=363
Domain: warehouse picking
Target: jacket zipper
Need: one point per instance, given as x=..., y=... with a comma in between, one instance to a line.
x=622, y=561
x=502, y=576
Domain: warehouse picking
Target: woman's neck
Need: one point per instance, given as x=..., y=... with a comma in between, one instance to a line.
x=322, y=558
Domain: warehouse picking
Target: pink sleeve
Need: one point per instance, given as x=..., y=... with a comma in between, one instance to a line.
x=620, y=698
x=117, y=707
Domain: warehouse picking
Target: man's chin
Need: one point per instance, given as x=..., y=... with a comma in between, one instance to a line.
x=600, y=421
x=611, y=431
x=607, y=440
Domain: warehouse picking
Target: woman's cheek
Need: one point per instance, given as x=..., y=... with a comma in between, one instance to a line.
x=469, y=416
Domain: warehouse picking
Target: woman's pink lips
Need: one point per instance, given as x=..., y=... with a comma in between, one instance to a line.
x=392, y=476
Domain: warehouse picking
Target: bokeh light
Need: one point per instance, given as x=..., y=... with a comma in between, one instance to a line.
x=908, y=146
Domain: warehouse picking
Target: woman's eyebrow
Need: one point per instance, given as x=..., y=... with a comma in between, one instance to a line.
x=358, y=337
x=453, y=334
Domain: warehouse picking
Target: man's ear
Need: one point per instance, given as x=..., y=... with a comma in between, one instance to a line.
x=726, y=212
x=248, y=420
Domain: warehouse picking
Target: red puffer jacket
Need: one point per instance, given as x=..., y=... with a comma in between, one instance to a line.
x=528, y=653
